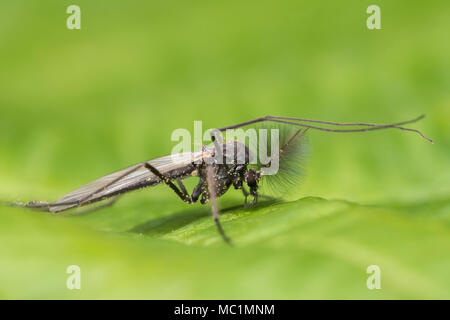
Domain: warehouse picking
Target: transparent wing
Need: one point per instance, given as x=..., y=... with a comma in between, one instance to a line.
x=132, y=178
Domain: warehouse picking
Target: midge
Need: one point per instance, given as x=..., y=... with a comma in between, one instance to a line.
x=216, y=166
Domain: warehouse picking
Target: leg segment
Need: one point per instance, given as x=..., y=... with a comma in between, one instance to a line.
x=215, y=210
x=182, y=187
x=196, y=193
x=183, y=195
x=246, y=194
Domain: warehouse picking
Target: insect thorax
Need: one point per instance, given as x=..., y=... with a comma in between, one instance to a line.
x=230, y=162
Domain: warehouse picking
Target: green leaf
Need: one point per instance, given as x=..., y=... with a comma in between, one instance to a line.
x=309, y=248
x=78, y=104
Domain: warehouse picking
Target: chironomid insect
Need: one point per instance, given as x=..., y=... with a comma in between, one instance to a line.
x=218, y=167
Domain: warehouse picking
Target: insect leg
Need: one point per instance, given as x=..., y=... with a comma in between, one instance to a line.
x=255, y=199
x=215, y=210
x=197, y=191
x=182, y=194
x=182, y=187
x=246, y=194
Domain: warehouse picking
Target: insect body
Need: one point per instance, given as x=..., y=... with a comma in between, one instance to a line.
x=218, y=167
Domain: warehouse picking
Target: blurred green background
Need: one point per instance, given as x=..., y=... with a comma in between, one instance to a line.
x=78, y=104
